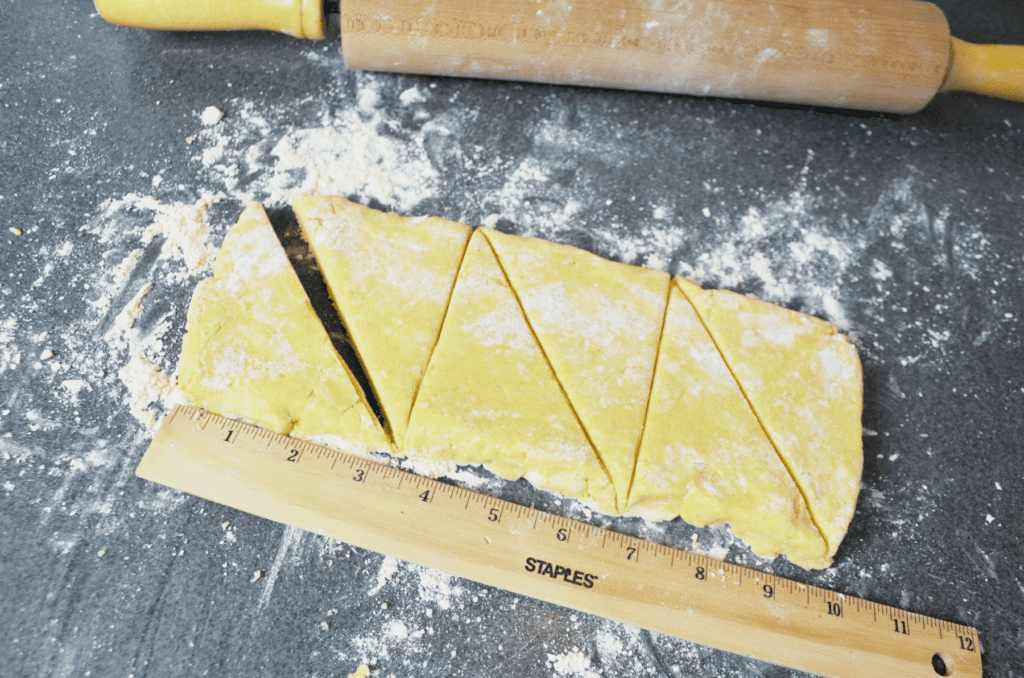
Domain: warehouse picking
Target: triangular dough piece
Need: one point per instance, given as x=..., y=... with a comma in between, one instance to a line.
x=489, y=396
x=255, y=349
x=705, y=457
x=391, y=278
x=598, y=322
x=803, y=381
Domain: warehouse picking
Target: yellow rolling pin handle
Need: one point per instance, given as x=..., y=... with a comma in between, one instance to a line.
x=994, y=70
x=300, y=18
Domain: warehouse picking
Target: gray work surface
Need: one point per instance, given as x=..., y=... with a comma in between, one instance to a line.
x=908, y=232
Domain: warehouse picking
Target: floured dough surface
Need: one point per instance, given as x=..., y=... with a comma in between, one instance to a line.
x=255, y=349
x=604, y=382
x=721, y=468
x=599, y=323
x=803, y=380
x=391, y=278
x=490, y=397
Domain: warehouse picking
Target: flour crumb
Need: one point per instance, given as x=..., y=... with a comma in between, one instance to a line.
x=127, y=265
x=573, y=663
x=362, y=672
x=126, y=318
x=147, y=384
x=435, y=587
x=608, y=645
x=388, y=569
x=411, y=96
x=397, y=629
x=211, y=115
x=256, y=576
x=431, y=468
x=368, y=98
x=186, y=228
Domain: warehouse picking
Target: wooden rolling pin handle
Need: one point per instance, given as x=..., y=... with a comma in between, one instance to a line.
x=299, y=18
x=993, y=70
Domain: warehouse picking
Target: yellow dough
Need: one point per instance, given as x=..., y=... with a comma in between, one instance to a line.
x=391, y=278
x=599, y=323
x=489, y=396
x=255, y=349
x=613, y=384
x=803, y=380
x=704, y=456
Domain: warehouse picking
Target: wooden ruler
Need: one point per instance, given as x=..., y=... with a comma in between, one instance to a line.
x=559, y=560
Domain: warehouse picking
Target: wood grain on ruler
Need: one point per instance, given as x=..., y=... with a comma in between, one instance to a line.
x=556, y=559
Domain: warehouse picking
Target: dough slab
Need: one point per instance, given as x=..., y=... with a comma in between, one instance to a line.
x=619, y=386
x=254, y=348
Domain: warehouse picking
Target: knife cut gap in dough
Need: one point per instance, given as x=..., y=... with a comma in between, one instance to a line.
x=598, y=322
x=704, y=456
x=254, y=348
x=490, y=397
x=391, y=279
x=803, y=382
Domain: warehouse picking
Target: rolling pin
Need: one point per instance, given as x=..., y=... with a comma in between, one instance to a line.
x=890, y=56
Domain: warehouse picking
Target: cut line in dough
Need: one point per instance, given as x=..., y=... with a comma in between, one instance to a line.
x=803, y=382
x=720, y=468
x=598, y=323
x=489, y=396
x=391, y=279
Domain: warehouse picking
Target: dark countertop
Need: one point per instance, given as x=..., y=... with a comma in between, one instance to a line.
x=906, y=231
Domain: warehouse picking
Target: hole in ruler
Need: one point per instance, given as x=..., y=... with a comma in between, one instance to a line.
x=942, y=663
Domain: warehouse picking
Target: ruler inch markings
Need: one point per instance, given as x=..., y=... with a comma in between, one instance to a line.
x=671, y=591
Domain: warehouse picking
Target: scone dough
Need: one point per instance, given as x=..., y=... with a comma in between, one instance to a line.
x=391, y=278
x=803, y=380
x=604, y=382
x=598, y=322
x=255, y=349
x=721, y=468
x=489, y=396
